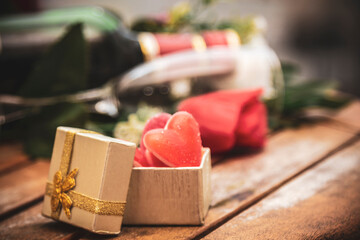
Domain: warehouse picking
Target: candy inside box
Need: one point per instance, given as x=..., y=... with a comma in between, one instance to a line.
x=169, y=196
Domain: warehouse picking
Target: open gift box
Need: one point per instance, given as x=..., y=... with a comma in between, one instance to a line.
x=89, y=186
x=169, y=196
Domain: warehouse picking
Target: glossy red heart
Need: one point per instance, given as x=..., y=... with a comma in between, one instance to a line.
x=139, y=159
x=178, y=144
x=153, y=161
x=157, y=121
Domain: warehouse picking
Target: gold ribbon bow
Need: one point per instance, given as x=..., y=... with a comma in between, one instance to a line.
x=59, y=198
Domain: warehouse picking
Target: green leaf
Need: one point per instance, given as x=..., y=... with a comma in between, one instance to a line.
x=301, y=95
x=309, y=94
x=63, y=68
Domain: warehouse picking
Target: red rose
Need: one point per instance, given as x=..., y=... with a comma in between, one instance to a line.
x=229, y=118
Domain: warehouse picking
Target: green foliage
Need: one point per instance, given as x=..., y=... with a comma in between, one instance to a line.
x=300, y=96
x=62, y=70
x=245, y=27
x=185, y=16
x=148, y=25
x=180, y=15
x=310, y=93
x=131, y=129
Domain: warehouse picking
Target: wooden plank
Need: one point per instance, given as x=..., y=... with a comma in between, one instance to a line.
x=323, y=203
x=347, y=119
x=22, y=187
x=19, y=190
x=243, y=180
x=350, y=115
x=12, y=156
x=231, y=200
x=30, y=224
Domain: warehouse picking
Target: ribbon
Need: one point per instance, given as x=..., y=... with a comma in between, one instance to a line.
x=62, y=195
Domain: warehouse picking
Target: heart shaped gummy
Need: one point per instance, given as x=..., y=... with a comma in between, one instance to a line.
x=157, y=121
x=153, y=161
x=139, y=159
x=178, y=144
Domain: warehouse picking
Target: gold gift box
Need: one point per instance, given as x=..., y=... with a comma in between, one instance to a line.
x=88, y=180
x=95, y=173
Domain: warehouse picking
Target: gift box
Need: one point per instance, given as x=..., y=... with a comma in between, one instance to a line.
x=92, y=184
x=88, y=180
x=169, y=196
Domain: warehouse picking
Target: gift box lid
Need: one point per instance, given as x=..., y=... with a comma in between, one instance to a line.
x=101, y=167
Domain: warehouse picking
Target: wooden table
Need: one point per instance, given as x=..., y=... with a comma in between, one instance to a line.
x=304, y=185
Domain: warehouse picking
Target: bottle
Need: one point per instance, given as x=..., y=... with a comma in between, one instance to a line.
x=113, y=48
x=250, y=66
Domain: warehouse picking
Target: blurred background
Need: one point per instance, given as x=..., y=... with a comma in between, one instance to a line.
x=298, y=52
x=322, y=36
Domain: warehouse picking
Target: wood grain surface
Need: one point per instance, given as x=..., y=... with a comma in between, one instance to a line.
x=238, y=182
x=350, y=115
x=21, y=187
x=322, y=203
x=242, y=180
x=30, y=224
x=12, y=157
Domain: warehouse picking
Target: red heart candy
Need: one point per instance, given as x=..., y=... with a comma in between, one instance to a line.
x=178, y=144
x=139, y=159
x=157, y=121
x=153, y=161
